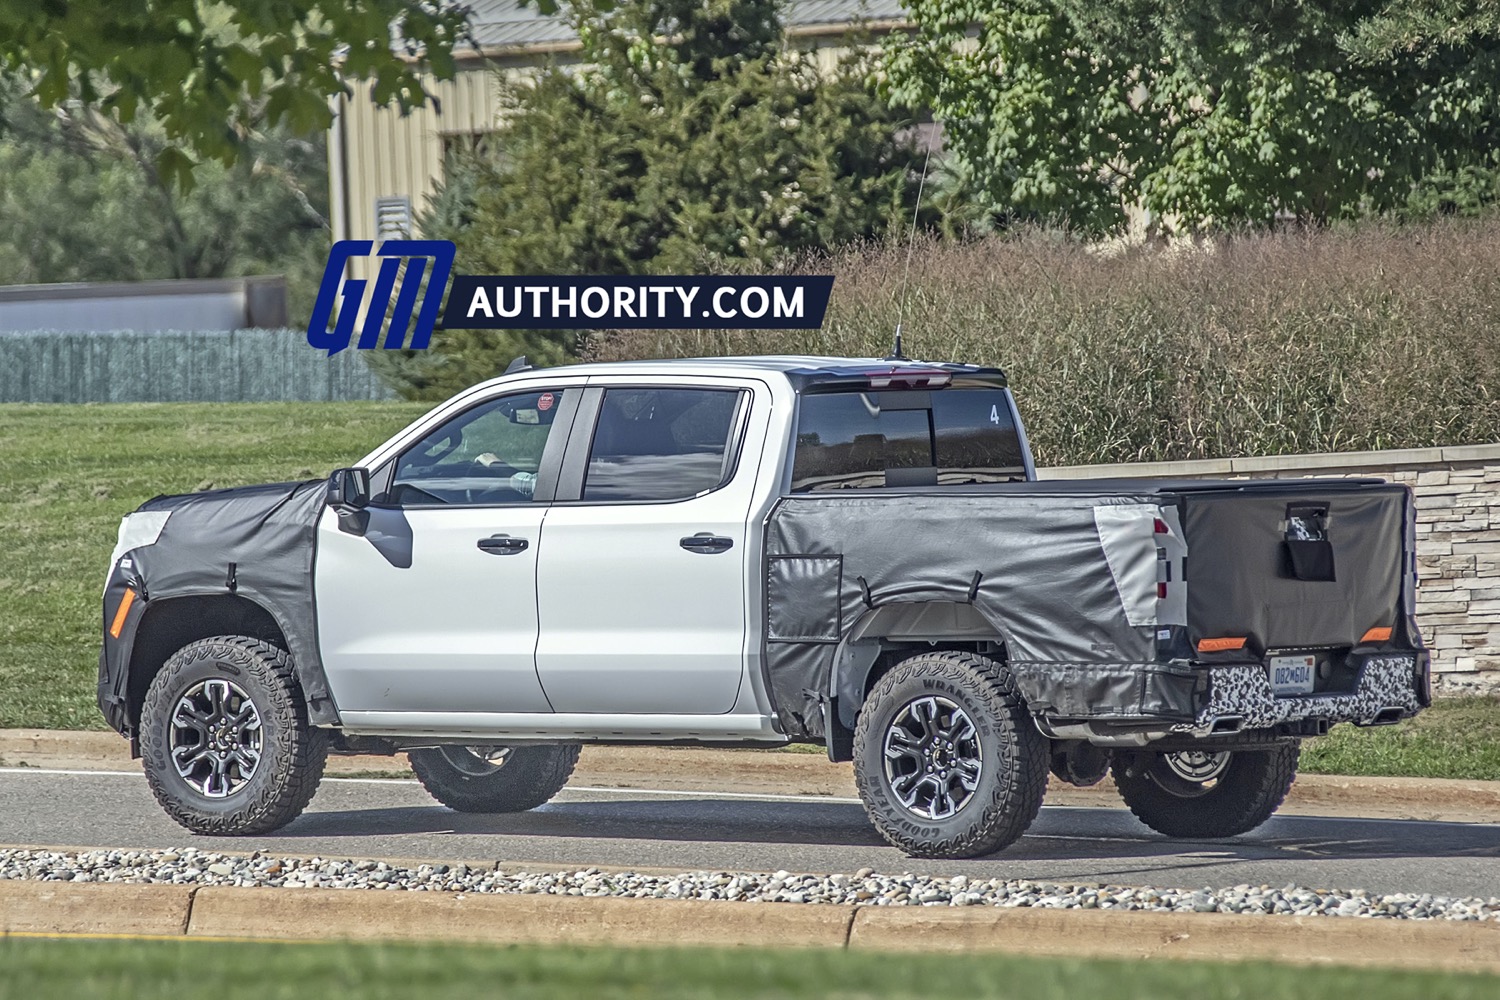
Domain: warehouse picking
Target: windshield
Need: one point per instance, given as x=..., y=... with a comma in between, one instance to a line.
x=876, y=439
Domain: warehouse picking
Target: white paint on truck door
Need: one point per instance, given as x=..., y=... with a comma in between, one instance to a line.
x=641, y=587
x=432, y=610
x=453, y=631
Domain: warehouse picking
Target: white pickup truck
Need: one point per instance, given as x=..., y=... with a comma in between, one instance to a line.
x=752, y=552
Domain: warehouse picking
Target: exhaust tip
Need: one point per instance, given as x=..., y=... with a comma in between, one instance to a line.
x=1227, y=724
x=1387, y=716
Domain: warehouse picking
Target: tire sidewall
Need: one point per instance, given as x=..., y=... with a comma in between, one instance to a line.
x=1248, y=793
x=983, y=705
x=192, y=665
x=529, y=777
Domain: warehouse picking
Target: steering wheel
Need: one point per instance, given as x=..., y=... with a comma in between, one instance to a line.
x=497, y=468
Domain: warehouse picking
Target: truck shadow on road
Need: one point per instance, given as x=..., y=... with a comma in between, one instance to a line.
x=1059, y=834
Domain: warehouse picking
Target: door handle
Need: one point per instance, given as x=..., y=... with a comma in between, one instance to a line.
x=503, y=545
x=707, y=543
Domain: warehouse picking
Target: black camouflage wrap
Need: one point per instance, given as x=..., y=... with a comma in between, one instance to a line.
x=1028, y=557
x=255, y=542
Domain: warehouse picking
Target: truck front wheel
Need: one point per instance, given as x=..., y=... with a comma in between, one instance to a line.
x=946, y=757
x=225, y=741
x=1204, y=794
x=494, y=779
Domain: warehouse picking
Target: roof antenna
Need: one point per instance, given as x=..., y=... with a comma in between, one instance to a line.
x=911, y=241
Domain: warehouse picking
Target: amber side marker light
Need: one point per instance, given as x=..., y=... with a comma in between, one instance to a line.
x=1378, y=635
x=1220, y=645
x=120, y=613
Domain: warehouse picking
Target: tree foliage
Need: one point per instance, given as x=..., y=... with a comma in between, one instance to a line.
x=1211, y=113
x=194, y=65
x=81, y=199
x=691, y=138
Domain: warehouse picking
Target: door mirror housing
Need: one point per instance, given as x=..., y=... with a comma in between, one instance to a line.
x=349, y=488
x=349, y=495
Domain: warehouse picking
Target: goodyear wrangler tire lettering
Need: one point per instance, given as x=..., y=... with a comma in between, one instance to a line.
x=995, y=777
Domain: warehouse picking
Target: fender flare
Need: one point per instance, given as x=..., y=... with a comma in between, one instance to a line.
x=937, y=619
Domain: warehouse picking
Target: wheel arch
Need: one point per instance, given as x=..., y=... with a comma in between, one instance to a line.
x=171, y=623
x=889, y=633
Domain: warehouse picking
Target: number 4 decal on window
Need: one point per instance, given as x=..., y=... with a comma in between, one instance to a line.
x=994, y=414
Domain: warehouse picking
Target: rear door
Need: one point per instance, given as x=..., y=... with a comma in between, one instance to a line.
x=642, y=584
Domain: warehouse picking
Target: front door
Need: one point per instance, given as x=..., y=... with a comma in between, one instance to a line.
x=641, y=589
x=433, y=608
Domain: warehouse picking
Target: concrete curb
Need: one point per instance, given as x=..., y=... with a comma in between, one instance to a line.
x=32, y=908
x=696, y=769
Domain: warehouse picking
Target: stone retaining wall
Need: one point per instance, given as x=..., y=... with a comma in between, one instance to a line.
x=1458, y=538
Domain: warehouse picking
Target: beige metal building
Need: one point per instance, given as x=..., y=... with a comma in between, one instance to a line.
x=382, y=166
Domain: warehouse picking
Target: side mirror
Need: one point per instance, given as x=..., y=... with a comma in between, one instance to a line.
x=349, y=495
x=349, y=488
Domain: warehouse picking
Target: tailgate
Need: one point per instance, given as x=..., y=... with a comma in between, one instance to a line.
x=1298, y=566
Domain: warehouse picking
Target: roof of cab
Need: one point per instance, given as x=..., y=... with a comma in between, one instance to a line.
x=801, y=369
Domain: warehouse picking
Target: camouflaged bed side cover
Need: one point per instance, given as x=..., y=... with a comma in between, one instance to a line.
x=1034, y=559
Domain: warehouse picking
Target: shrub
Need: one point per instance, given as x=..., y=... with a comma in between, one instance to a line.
x=1356, y=338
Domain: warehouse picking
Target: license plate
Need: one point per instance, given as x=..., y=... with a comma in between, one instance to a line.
x=1293, y=674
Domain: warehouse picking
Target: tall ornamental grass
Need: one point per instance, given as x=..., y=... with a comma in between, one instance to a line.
x=1275, y=343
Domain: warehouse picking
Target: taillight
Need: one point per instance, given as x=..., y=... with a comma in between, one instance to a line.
x=1159, y=527
x=912, y=377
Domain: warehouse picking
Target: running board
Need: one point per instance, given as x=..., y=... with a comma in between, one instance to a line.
x=520, y=727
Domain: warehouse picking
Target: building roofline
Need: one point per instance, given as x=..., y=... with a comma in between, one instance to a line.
x=572, y=45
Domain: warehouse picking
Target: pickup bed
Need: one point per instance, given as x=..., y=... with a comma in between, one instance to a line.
x=756, y=551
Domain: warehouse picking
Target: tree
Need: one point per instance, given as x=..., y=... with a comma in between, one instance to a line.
x=194, y=65
x=81, y=199
x=1215, y=113
x=691, y=138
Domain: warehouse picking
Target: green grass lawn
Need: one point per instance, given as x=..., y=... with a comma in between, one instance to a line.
x=36, y=969
x=68, y=473
x=1455, y=738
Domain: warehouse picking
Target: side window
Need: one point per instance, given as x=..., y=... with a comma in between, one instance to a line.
x=661, y=444
x=487, y=455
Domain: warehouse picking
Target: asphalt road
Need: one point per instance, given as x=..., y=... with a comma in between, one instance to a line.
x=687, y=831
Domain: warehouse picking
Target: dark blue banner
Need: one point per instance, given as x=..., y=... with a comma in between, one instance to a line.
x=558, y=302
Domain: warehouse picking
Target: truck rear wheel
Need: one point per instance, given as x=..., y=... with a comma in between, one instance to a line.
x=225, y=741
x=946, y=757
x=1207, y=794
x=494, y=779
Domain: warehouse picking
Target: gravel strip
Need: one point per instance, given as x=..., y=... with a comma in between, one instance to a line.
x=866, y=887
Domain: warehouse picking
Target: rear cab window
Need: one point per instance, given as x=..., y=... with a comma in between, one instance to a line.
x=875, y=439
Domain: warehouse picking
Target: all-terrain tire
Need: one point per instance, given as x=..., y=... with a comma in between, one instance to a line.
x=291, y=753
x=526, y=778
x=1248, y=791
x=1012, y=754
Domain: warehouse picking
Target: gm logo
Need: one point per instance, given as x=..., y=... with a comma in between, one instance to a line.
x=415, y=254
